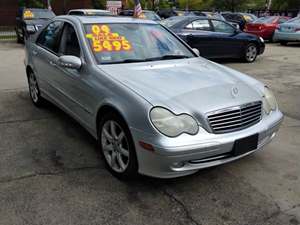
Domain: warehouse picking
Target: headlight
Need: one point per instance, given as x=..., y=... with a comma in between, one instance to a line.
x=30, y=28
x=173, y=125
x=261, y=39
x=269, y=101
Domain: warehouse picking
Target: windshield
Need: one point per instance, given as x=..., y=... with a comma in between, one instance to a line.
x=249, y=17
x=151, y=16
x=37, y=14
x=268, y=19
x=172, y=21
x=125, y=43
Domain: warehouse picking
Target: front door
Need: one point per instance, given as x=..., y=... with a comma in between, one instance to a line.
x=74, y=84
x=197, y=35
x=225, y=39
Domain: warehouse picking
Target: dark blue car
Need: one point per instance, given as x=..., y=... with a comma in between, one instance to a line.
x=215, y=38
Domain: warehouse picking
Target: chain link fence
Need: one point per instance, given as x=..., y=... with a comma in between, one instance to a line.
x=7, y=33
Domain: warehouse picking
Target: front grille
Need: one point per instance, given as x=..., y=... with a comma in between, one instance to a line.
x=235, y=118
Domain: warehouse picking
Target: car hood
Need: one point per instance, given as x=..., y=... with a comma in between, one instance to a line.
x=195, y=86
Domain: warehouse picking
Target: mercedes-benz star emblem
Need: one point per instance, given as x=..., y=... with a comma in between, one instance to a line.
x=234, y=91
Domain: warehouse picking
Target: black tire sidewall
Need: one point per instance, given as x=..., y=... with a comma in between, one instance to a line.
x=40, y=100
x=284, y=43
x=131, y=171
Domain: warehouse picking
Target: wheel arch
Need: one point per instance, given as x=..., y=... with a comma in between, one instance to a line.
x=254, y=42
x=108, y=108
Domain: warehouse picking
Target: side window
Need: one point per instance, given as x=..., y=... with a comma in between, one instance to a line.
x=69, y=44
x=222, y=27
x=49, y=38
x=199, y=25
x=78, y=13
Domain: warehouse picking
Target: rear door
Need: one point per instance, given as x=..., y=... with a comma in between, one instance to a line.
x=45, y=55
x=225, y=39
x=197, y=35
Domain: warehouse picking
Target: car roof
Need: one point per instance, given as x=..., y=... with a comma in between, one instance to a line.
x=190, y=17
x=105, y=19
x=131, y=10
x=37, y=9
x=186, y=19
x=89, y=10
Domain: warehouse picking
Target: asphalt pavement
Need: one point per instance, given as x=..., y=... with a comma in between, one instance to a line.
x=52, y=173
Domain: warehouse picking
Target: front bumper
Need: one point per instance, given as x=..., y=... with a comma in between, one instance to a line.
x=283, y=36
x=210, y=150
x=262, y=47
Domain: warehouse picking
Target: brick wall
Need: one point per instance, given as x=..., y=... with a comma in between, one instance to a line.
x=8, y=12
x=8, y=9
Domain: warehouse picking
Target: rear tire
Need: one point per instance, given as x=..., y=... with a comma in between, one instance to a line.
x=19, y=40
x=272, y=40
x=284, y=43
x=34, y=90
x=251, y=53
x=117, y=147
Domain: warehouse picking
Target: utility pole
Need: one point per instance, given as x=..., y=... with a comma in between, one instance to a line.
x=268, y=6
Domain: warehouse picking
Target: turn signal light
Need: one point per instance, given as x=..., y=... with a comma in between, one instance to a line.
x=146, y=146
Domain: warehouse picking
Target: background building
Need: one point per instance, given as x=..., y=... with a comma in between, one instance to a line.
x=9, y=8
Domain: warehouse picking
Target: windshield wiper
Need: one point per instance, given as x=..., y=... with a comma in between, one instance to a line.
x=174, y=57
x=166, y=57
x=126, y=61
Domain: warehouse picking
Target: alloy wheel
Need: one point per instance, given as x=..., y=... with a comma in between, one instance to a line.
x=115, y=146
x=33, y=88
x=251, y=53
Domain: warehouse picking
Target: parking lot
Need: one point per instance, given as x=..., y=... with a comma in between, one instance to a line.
x=52, y=173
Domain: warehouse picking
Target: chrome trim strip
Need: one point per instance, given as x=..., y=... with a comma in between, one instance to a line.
x=235, y=118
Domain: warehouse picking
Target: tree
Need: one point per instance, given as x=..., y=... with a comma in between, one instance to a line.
x=286, y=4
x=99, y=4
x=32, y=3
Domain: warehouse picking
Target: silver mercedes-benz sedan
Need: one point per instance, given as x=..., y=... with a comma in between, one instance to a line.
x=155, y=106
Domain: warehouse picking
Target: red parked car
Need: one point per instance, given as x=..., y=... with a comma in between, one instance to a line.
x=265, y=26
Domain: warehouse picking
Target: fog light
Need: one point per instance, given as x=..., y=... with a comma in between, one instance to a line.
x=273, y=135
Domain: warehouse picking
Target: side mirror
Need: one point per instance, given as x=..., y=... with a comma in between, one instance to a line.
x=196, y=51
x=30, y=29
x=70, y=62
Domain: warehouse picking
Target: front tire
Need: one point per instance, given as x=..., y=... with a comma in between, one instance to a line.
x=251, y=53
x=34, y=90
x=117, y=147
x=284, y=43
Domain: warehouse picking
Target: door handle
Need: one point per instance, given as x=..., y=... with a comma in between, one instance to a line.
x=189, y=36
x=52, y=63
x=34, y=52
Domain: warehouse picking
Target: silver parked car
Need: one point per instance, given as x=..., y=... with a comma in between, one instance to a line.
x=154, y=106
x=288, y=31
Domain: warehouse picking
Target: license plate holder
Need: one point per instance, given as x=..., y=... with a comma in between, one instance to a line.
x=244, y=145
